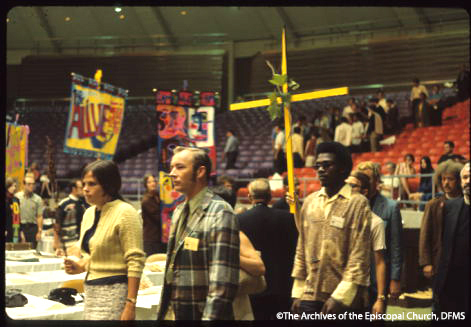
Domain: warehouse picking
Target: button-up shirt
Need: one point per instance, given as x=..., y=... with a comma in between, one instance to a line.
x=333, y=251
x=31, y=207
x=343, y=134
x=183, y=222
x=232, y=144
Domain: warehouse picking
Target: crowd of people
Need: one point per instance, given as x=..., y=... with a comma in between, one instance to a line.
x=342, y=251
x=359, y=126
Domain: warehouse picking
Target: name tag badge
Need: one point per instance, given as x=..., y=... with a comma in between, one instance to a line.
x=191, y=244
x=337, y=221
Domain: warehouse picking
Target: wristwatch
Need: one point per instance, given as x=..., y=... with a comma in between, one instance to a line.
x=381, y=297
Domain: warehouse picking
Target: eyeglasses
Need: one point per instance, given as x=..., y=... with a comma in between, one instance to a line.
x=323, y=164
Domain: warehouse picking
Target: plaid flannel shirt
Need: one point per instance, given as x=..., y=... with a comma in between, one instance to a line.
x=204, y=281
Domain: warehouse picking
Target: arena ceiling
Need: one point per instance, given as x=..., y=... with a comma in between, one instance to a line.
x=78, y=29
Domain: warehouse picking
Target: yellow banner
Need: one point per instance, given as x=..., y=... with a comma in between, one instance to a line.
x=16, y=150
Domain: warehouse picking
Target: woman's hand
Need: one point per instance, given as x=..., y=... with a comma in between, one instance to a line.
x=129, y=312
x=72, y=267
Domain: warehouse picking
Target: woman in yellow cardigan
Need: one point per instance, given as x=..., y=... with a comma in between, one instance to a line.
x=111, y=246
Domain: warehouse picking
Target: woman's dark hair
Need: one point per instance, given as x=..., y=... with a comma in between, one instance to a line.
x=146, y=177
x=107, y=174
x=9, y=181
x=428, y=169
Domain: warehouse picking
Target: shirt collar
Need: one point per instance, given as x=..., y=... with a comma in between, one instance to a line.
x=345, y=191
x=73, y=197
x=196, y=200
x=30, y=195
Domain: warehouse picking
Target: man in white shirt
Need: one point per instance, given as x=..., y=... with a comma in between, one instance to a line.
x=279, y=151
x=389, y=185
x=360, y=182
x=343, y=133
x=31, y=212
x=415, y=92
x=358, y=133
x=382, y=100
x=348, y=109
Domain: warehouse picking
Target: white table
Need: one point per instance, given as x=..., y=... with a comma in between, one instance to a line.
x=44, y=264
x=43, y=309
x=42, y=282
x=38, y=308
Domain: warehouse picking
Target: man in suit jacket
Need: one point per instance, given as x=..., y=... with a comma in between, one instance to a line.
x=202, y=268
x=447, y=177
x=388, y=210
x=451, y=285
x=273, y=233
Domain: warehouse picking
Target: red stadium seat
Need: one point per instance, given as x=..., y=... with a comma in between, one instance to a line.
x=308, y=172
x=278, y=193
x=297, y=171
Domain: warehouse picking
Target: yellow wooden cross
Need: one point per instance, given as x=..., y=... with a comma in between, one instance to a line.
x=294, y=98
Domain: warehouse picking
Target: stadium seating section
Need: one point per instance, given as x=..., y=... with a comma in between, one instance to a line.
x=253, y=128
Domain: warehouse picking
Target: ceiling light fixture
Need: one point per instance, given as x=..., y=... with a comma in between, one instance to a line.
x=118, y=9
x=67, y=19
x=183, y=12
x=122, y=17
x=8, y=20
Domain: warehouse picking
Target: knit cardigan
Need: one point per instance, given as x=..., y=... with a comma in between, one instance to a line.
x=116, y=247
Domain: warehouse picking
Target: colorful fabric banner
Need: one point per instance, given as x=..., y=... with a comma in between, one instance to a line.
x=16, y=151
x=180, y=126
x=16, y=221
x=169, y=199
x=201, y=127
x=187, y=98
x=95, y=118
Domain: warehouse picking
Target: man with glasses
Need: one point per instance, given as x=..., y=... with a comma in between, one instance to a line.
x=388, y=210
x=332, y=262
x=360, y=182
x=451, y=285
x=31, y=208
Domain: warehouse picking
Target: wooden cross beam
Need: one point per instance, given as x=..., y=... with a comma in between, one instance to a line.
x=287, y=114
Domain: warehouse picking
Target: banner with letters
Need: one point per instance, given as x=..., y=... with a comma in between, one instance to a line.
x=16, y=151
x=95, y=118
x=184, y=119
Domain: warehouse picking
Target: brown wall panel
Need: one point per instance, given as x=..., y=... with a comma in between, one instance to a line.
x=49, y=76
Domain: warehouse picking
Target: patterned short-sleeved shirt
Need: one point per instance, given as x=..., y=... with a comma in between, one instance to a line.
x=30, y=207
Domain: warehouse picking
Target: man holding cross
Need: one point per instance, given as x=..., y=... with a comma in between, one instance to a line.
x=286, y=111
x=332, y=263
